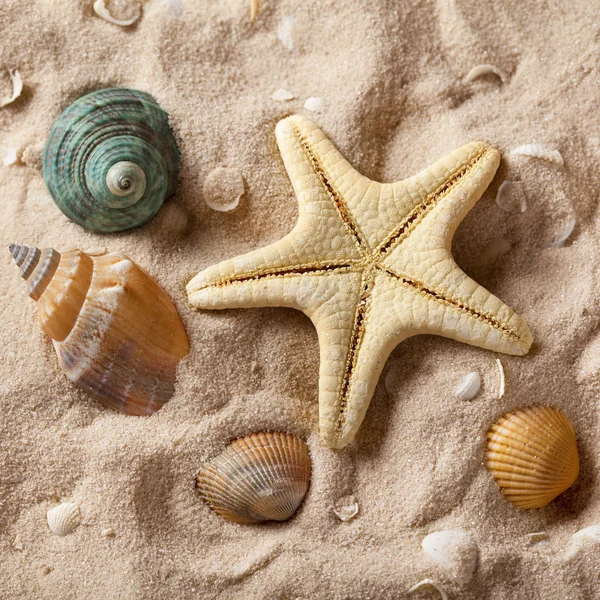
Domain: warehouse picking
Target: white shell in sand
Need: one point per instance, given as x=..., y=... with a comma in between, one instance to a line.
x=468, y=388
x=223, y=188
x=64, y=518
x=346, y=508
x=584, y=537
x=539, y=151
x=454, y=551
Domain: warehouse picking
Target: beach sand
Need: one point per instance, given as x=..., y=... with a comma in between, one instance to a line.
x=391, y=76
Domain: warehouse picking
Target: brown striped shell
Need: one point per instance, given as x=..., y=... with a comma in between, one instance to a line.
x=261, y=477
x=532, y=454
x=115, y=331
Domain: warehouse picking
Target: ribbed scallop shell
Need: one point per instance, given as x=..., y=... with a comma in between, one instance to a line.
x=261, y=477
x=111, y=160
x=115, y=331
x=64, y=518
x=532, y=454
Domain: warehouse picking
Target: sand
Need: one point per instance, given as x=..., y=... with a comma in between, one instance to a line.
x=391, y=76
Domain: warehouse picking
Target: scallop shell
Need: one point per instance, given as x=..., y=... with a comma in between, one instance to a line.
x=64, y=518
x=532, y=454
x=453, y=551
x=111, y=160
x=261, y=477
x=115, y=331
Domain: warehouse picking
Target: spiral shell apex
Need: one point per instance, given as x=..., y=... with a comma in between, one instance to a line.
x=111, y=160
x=115, y=331
x=261, y=477
x=532, y=454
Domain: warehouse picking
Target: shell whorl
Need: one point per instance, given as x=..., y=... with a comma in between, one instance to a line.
x=37, y=267
x=111, y=160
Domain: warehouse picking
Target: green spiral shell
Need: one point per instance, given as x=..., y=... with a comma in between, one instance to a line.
x=111, y=160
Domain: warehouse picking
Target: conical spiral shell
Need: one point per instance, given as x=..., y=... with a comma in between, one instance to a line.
x=64, y=518
x=532, y=454
x=115, y=331
x=261, y=477
x=111, y=160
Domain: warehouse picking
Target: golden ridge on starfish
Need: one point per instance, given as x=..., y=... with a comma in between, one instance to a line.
x=370, y=264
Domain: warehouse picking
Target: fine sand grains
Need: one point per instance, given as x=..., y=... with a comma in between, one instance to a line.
x=390, y=76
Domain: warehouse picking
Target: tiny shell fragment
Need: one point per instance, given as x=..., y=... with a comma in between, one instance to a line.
x=108, y=532
x=502, y=379
x=468, y=388
x=17, y=85
x=538, y=536
x=9, y=155
x=64, y=518
x=481, y=70
x=103, y=12
x=18, y=543
x=431, y=583
x=511, y=197
x=565, y=233
x=282, y=95
x=223, y=188
x=539, y=151
x=346, y=508
x=586, y=536
x=454, y=551
x=314, y=104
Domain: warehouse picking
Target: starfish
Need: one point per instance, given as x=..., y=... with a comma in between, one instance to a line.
x=370, y=264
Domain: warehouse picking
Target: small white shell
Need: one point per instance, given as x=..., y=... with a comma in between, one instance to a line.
x=223, y=188
x=511, y=197
x=481, y=70
x=431, y=583
x=64, y=518
x=282, y=95
x=285, y=31
x=581, y=538
x=454, y=551
x=9, y=155
x=468, y=388
x=314, y=104
x=346, y=508
x=17, y=85
x=502, y=379
x=565, y=233
x=538, y=151
x=101, y=10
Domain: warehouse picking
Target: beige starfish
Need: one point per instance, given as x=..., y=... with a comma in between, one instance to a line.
x=370, y=264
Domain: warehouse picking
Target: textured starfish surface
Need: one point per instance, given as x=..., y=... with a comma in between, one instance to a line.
x=370, y=264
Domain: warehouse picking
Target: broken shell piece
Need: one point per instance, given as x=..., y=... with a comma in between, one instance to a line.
x=481, y=70
x=502, y=385
x=223, y=188
x=586, y=536
x=431, y=583
x=314, y=104
x=103, y=12
x=262, y=477
x=346, y=508
x=468, y=388
x=538, y=536
x=453, y=551
x=282, y=95
x=511, y=197
x=564, y=235
x=539, y=151
x=285, y=31
x=64, y=518
x=17, y=85
x=17, y=543
x=532, y=454
x=9, y=155
x=108, y=532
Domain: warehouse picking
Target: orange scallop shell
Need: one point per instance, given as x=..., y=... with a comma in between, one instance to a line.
x=532, y=454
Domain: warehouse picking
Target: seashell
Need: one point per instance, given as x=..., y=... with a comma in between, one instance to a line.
x=64, y=518
x=8, y=154
x=103, y=12
x=538, y=151
x=223, y=188
x=532, y=454
x=346, y=508
x=115, y=331
x=282, y=95
x=261, y=477
x=481, y=70
x=429, y=583
x=502, y=384
x=454, y=551
x=586, y=536
x=17, y=87
x=315, y=104
x=468, y=388
x=111, y=160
